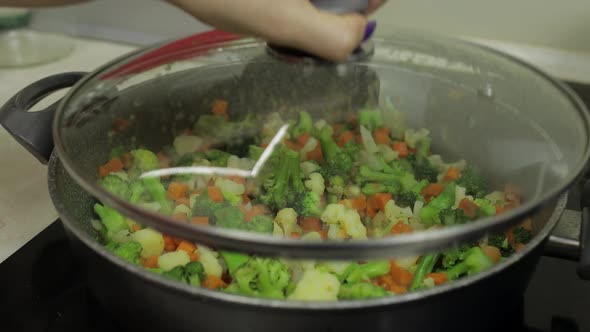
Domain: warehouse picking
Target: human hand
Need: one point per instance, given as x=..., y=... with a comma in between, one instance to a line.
x=291, y=23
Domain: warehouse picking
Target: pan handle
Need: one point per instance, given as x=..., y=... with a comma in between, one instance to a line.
x=573, y=239
x=33, y=129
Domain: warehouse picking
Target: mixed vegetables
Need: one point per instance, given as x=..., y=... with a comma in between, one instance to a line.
x=366, y=177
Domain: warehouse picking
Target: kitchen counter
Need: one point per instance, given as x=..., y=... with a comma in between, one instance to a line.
x=25, y=206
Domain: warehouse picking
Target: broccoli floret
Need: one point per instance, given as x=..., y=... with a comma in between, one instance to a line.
x=475, y=260
x=337, y=161
x=260, y=224
x=229, y=217
x=156, y=190
x=452, y=256
x=136, y=190
x=116, y=185
x=112, y=221
x=450, y=216
x=406, y=198
x=370, y=119
x=364, y=272
x=361, y=290
x=116, y=152
x=206, y=207
x=143, y=161
x=191, y=273
x=374, y=188
x=255, y=151
x=283, y=188
x=500, y=241
x=430, y=212
x=304, y=125
x=403, y=180
x=217, y=157
x=522, y=235
x=473, y=182
x=129, y=250
x=423, y=170
x=486, y=208
x=261, y=277
x=308, y=204
x=336, y=186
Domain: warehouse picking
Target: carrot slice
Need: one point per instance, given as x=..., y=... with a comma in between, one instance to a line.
x=379, y=200
x=468, y=207
x=199, y=220
x=302, y=139
x=176, y=190
x=193, y=256
x=182, y=201
x=213, y=282
x=401, y=148
x=358, y=203
x=492, y=252
x=169, y=243
x=220, y=108
x=215, y=194
x=126, y=158
x=150, y=262
x=103, y=171
x=400, y=227
x=345, y=137
x=451, y=174
x=186, y=246
x=438, y=277
x=381, y=135
x=135, y=228
x=114, y=165
x=400, y=275
x=316, y=154
x=432, y=190
x=310, y=224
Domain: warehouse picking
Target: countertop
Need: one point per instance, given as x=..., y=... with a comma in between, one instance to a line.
x=25, y=206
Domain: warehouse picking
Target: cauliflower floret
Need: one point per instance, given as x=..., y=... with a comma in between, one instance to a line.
x=152, y=242
x=387, y=152
x=232, y=191
x=495, y=197
x=343, y=222
x=315, y=183
x=316, y=286
x=308, y=167
x=181, y=208
x=396, y=213
x=170, y=260
x=239, y=163
x=271, y=126
x=186, y=144
x=285, y=223
x=209, y=260
x=412, y=136
x=459, y=195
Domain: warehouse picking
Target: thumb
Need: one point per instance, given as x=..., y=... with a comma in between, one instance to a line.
x=323, y=34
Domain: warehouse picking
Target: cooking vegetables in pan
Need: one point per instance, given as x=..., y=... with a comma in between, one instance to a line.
x=364, y=177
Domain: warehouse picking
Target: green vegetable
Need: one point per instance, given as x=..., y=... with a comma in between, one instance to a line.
x=424, y=170
x=452, y=256
x=473, y=182
x=156, y=190
x=304, y=125
x=143, y=161
x=259, y=224
x=430, y=212
x=370, y=119
x=116, y=152
x=425, y=266
x=501, y=242
x=522, y=235
x=261, y=277
x=229, y=217
x=112, y=221
x=475, y=260
x=316, y=285
x=192, y=273
x=363, y=272
x=234, y=260
x=337, y=161
x=450, y=216
x=255, y=151
x=116, y=185
x=217, y=157
x=399, y=179
x=205, y=207
x=361, y=290
x=129, y=251
x=486, y=208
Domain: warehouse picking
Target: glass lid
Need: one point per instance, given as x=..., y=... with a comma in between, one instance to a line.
x=415, y=144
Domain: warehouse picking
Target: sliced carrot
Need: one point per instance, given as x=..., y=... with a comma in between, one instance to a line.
x=379, y=200
x=499, y=209
x=323, y=234
x=256, y=210
x=492, y=252
x=438, y=277
x=291, y=145
x=519, y=246
x=182, y=201
x=179, y=216
x=357, y=203
x=310, y=224
x=302, y=139
x=401, y=148
x=432, y=190
x=213, y=282
x=120, y=124
x=468, y=207
x=215, y=194
x=527, y=224
x=103, y=171
x=381, y=135
x=245, y=199
x=510, y=237
x=193, y=256
x=263, y=145
x=199, y=220
x=150, y=262
x=401, y=227
x=400, y=275
x=345, y=137
x=512, y=194
x=220, y=108
x=451, y=174
x=186, y=246
x=316, y=154
x=114, y=165
x=176, y=190
x=135, y=228
x=169, y=243
x=370, y=211
x=295, y=235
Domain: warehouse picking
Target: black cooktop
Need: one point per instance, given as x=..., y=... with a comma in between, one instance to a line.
x=43, y=289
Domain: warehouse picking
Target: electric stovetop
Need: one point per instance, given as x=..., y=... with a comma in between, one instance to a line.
x=43, y=289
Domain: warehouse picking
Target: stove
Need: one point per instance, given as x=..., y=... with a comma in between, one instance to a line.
x=42, y=288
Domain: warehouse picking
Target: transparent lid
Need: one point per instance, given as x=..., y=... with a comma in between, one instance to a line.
x=415, y=144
